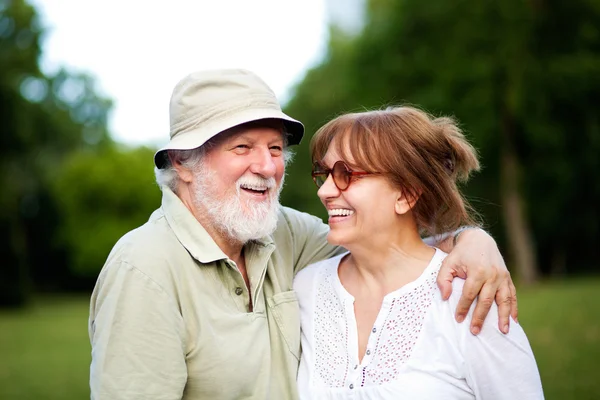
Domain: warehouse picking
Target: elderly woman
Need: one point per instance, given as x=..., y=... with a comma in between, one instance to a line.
x=374, y=325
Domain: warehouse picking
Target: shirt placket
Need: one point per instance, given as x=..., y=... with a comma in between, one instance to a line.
x=237, y=286
x=256, y=262
x=354, y=375
x=358, y=371
x=257, y=256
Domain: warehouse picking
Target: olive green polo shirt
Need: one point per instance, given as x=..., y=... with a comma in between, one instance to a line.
x=169, y=314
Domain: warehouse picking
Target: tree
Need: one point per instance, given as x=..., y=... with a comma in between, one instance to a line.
x=43, y=119
x=100, y=196
x=520, y=76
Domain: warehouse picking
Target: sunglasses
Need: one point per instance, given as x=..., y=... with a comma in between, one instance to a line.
x=341, y=173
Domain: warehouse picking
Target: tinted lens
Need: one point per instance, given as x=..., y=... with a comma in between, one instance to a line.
x=319, y=179
x=341, y=175
x=319, y=175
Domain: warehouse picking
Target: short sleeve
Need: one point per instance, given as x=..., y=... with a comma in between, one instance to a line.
x=499, y=366
x=137, y=337
x=309, y=235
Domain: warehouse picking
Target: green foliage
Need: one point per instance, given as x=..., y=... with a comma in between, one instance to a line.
x=44, y=118
x=19, y=49
x=324, y=93
x=100, y=196
x=19, y=41
x=523, y=78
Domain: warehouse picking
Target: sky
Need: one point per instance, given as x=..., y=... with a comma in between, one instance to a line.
x=138, y=50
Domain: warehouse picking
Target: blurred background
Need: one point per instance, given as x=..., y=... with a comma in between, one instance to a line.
x=80, y=124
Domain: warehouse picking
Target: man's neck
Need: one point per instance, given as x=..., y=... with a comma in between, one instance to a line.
x=232, y=248
x=235, y=251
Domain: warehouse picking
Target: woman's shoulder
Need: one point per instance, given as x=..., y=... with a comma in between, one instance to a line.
x=323, y=266
x=321, y=270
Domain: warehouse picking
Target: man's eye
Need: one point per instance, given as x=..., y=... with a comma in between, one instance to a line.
x=241, y=148
x=277, y=148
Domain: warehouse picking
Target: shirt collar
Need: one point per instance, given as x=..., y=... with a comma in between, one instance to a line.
x=191, y=234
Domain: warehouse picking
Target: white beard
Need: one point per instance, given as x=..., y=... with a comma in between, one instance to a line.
x=238, y=220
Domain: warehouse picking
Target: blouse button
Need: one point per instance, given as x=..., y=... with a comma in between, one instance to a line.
x=351, y=386
x=368, y=352
x=239, y=290
x=374, y=329
x=356, y=366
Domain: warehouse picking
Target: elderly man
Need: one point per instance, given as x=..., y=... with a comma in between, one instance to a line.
x=197, y=303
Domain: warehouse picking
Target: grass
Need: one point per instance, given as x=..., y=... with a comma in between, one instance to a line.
x=562, y=321
x=45, y=352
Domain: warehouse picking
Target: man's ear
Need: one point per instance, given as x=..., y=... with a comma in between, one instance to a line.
x=406, y=201
x=185, y=174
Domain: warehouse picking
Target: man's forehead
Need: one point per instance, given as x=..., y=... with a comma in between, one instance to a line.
x=250, y=132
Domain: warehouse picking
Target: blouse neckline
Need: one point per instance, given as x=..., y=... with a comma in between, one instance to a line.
x=434, y=263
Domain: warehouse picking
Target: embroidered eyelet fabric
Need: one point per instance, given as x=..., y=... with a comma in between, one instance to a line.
x=416, y=349
x=331, y=336
x=400, y=322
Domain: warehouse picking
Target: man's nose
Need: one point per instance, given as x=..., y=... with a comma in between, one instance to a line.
x=263, y=163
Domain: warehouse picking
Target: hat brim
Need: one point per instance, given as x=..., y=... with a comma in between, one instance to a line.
x=202, y=133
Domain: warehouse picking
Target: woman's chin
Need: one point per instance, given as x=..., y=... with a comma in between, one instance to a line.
x=336, y=240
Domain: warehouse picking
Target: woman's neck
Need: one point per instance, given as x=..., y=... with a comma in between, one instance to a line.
x=386, y=265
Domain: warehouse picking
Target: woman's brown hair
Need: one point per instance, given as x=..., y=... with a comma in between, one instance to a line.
x=422, y=155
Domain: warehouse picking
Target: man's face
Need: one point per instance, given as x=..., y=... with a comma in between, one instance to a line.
x=238, y=182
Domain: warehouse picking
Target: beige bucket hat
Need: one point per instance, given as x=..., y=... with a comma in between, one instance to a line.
x=205, y=103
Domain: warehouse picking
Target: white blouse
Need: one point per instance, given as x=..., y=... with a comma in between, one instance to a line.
x=416, y=349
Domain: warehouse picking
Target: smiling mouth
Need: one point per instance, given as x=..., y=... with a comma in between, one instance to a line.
x=340, y=212
x=256, y=191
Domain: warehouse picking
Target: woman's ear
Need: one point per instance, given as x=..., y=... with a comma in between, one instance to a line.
x=185, y=174
x=406, y=201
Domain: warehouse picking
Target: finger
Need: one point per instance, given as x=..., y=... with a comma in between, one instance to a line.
x=503, y=299
x=484, y=303
x=514, y=309
x=444, y=280
x=470, y=290
x=447, y=273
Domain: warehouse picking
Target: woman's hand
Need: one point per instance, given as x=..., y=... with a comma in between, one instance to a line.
x=477, y=259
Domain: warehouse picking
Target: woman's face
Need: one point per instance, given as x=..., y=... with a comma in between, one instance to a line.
x=366, y=211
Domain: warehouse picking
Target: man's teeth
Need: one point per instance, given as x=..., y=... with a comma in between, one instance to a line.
x=255, y=188
x=340, y=212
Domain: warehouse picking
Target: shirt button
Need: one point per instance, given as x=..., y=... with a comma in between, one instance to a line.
x=368, y=352
x=374, y=329
x=239, y=290
x=351, y=386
